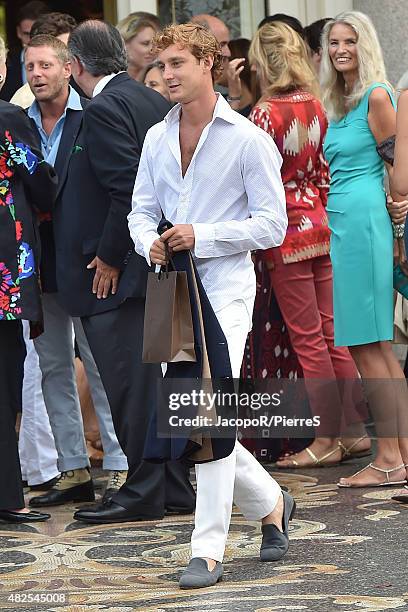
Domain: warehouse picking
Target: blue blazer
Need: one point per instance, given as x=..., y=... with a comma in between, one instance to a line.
x=70, y=131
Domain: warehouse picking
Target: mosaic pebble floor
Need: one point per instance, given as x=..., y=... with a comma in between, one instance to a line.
x=348, y=553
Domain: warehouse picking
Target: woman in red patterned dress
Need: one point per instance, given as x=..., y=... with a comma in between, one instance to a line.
x=300, y=270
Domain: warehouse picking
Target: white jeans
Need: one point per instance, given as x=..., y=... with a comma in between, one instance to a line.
x=239, y=477
x=38, y=455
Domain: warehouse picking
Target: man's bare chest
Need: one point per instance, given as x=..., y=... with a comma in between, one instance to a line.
x=188, y=143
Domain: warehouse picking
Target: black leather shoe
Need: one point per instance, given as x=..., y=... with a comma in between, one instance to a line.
x=171, y=510
x=9, y=516
x=56, y=497
x=275, y=543
x=44, y=486
x=111, y=512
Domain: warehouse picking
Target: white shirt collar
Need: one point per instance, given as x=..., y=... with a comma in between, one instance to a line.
x=222, y=109
x=103, y=82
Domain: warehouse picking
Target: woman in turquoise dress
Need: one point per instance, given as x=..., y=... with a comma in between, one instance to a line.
x=361, y=111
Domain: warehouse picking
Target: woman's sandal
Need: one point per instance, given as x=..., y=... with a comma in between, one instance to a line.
x=316, y=461
x=403, y=499
x=346, y=455
x=386, y=483
x=346, y=450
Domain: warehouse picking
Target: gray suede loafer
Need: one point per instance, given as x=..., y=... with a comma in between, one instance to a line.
x=275, y=543
x=197, y=575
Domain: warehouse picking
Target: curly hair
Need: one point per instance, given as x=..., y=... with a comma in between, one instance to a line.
x=201, y=42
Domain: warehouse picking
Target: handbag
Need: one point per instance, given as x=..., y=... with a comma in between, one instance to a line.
x=386, y=150
x=168, y=334
x=400, y=281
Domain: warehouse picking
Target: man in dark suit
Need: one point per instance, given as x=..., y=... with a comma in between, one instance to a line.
x=57, y=114
x=100, y=276
x=16, y=76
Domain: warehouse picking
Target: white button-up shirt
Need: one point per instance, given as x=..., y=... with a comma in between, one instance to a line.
x=232, y=194
x=100, y=86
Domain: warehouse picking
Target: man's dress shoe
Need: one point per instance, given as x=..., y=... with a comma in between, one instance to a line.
x=197, y=575
x=10, y=516
x=83, y=492
x=171, y=510
x=111, y=512
x=275, y=543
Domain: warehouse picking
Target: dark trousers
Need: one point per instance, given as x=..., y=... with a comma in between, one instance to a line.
x=116, y=339
x=12, y=354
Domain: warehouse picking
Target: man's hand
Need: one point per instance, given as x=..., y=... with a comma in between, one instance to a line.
x=158, y=253
x=234, y=69
x=179, y=238
x=105, y=279
x=397, y=210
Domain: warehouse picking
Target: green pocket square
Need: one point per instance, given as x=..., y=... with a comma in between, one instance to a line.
x=76, y=149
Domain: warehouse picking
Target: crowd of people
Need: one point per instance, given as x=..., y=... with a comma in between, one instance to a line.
x=266, y=160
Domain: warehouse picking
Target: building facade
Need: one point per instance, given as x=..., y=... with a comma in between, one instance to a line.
x=389, y=16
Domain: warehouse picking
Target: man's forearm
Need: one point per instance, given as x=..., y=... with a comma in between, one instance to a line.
x=231, y=237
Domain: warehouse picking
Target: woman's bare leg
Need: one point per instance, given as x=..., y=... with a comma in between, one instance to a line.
x=381, y=392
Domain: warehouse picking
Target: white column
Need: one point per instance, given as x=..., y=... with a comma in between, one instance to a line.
x=390, y=20
x=295, y=8
x=331, y=8
x=130, y=6
x=308, y=11
x=251, y=12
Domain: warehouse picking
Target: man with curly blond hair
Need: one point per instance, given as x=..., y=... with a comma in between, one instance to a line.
x=216, y=177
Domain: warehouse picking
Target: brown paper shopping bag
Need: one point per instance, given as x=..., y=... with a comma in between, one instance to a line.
x=168, y=334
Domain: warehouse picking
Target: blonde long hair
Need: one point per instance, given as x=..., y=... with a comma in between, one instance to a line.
x=371, y=67
x=134, y=23
x=282, y=60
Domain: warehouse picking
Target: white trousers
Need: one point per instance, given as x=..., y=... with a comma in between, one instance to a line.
x=239, y=477
x=38, y=455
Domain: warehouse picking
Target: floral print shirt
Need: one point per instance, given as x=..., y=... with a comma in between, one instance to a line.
x=26, y=183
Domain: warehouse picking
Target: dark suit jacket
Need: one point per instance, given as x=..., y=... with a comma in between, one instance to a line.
x=72, y=126
x=13, y=79
x=161, y=448
x=95, y=198
x=27, y=184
